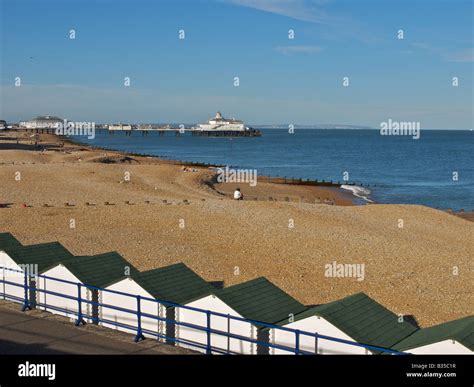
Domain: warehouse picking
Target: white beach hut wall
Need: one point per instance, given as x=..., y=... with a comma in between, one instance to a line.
x=175, y=283
x=258, y=300
x=356, y=318
x=452, y=338
x=127, y=320
x=34, y=259
x=96, y=271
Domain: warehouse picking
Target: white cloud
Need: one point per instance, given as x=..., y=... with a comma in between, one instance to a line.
x=304, y=10
x=466, y=55
x=462, y=55
x=333, y=27
x=292, y=50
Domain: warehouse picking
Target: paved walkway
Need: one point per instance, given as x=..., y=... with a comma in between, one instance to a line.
x=38, y=332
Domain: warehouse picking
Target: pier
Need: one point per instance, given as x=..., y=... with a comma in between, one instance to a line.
x=193, y=131
x=217, y=126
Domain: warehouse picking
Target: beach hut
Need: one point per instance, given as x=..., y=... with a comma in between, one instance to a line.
x=357, y=318
x=33, y=259
x=257, y=299
x=175, y=283
x=95, y=270
x=450, y=338
x=8, y=240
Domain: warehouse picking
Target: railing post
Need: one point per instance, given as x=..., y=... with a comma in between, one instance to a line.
x=3, y=283
x=26, y=303
x=228, y=332
x=32, y=294
x=79, y=320
x=297, y=342
x=139, y=335
x=208, y=331
x=316, y=342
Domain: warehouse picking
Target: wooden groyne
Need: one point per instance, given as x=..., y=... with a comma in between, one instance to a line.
x=310, y=182
x=261, y=178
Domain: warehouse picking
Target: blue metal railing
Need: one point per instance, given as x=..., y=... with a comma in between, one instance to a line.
x=139, y=331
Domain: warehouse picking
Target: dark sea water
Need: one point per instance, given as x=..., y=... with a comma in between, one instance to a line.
x=398, y=169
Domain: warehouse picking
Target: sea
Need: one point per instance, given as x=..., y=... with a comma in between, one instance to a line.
x=435, y=170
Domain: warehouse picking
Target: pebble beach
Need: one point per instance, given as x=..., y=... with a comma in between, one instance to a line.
x=418, y=260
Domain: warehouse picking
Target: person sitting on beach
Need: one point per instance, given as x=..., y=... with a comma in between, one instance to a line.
x=238, y=195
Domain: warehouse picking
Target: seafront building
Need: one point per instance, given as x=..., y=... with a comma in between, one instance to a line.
x=120, y=127
x=42, y=122
x=357, y=318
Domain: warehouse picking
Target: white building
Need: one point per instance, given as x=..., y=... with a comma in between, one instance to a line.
x=258, y=300
x=356, y=318
x=220, y=123
x=176, y=284
x=96, y=270
x=33, y=259
x=450, y=338
x=120, y=127
x=42, y=122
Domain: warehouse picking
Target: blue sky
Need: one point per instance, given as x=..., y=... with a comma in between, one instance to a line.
x=281, y=80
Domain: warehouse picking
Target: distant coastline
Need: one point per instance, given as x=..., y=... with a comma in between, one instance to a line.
x=284, y=126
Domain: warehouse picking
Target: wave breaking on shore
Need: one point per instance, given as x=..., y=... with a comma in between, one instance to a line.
x=360, y=192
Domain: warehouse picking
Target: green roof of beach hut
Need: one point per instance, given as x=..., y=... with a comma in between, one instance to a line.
x=44, y=255
x=8, y=240
x=99, y=270
x=363, y=319
x=175, y=283
x=461, y=330
x=260, y=300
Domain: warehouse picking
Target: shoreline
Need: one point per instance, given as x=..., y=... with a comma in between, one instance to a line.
x=356, y=193
x=341, y=195
x=325, y=192
x=330, y=193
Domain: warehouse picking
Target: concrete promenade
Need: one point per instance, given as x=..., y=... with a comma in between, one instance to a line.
x=38, y=332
